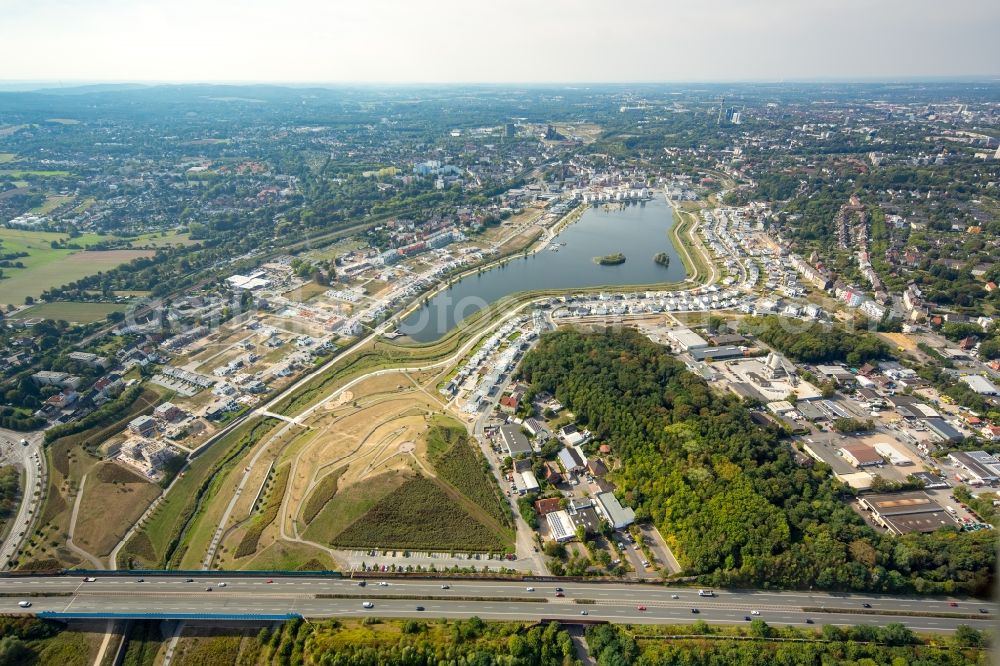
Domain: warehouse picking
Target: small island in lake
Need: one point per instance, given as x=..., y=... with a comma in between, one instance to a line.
x=662, y=258
x=611, y=259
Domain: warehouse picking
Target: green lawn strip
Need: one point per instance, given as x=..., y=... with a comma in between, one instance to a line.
x=167, y=525
x=268, y=513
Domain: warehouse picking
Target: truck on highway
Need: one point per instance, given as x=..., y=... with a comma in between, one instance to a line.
x=706, y=593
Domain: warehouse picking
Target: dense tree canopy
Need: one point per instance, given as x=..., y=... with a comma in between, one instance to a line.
x=726, y=494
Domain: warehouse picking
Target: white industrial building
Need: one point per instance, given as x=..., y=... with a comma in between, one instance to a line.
x=561, y=526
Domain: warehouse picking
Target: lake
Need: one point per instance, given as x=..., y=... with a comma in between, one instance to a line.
x=639, y=231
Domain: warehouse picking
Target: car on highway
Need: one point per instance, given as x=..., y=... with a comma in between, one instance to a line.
x=746, y=618
x=269, y=581
x=189, y=580
x=446, y=587
x=695, y=611
x=866, y=605
x=89, y=579
x=983, y=610
x=559, y=589
x=953, y=604
x=419, y=608
x=675, y=596
x=368, y=604
x=222, y=584
x=24, y=604
x=382, y=583
x=640, y=607
x=755, y=612
x=141, y=580
x=560, y=594
x=583, y=612
x=529, y=589
x=809, y=621
x=362, y=583
x=208, y=589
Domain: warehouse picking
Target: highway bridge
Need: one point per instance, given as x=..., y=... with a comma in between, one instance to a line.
x=233, y=596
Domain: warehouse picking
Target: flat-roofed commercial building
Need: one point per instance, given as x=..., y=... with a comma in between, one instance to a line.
x=687, y=339
x=561, y=526
x=901, y=513
x=861, y=455
x=514, y=440
x=980, y=467
x=619, y=516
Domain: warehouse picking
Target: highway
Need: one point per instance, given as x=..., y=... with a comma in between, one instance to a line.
x=495, y=600
x=31, y=458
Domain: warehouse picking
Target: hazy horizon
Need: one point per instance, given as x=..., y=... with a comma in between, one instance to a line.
x=306, y=42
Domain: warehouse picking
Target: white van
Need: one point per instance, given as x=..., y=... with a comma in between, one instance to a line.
x=706, y=593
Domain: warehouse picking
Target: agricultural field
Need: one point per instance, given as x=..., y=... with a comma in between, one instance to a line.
x=46, y=267
x=73, y=312
x=5, y=158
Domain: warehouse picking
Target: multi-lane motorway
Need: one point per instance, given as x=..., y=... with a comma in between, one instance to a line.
x=494, y=600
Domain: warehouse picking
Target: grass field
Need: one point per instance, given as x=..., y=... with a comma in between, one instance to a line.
x=419, y=515
x=271, y=504
x=45, y=267
x=113, y=499
x=51, y=203
x=7, y=157
x=349, y=505
x=458, y=463
x=44, y=173
x=73, y=312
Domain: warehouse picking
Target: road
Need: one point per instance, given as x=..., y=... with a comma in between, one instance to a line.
x=498, y=600
x=32, y=460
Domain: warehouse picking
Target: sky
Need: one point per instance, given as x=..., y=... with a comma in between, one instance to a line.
x=425, y=41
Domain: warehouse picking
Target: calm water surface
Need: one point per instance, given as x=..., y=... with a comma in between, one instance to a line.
x=639, y=231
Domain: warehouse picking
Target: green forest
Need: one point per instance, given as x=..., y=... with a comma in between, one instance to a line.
x=726, y=494
x=813, y=343
x=892, y=645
